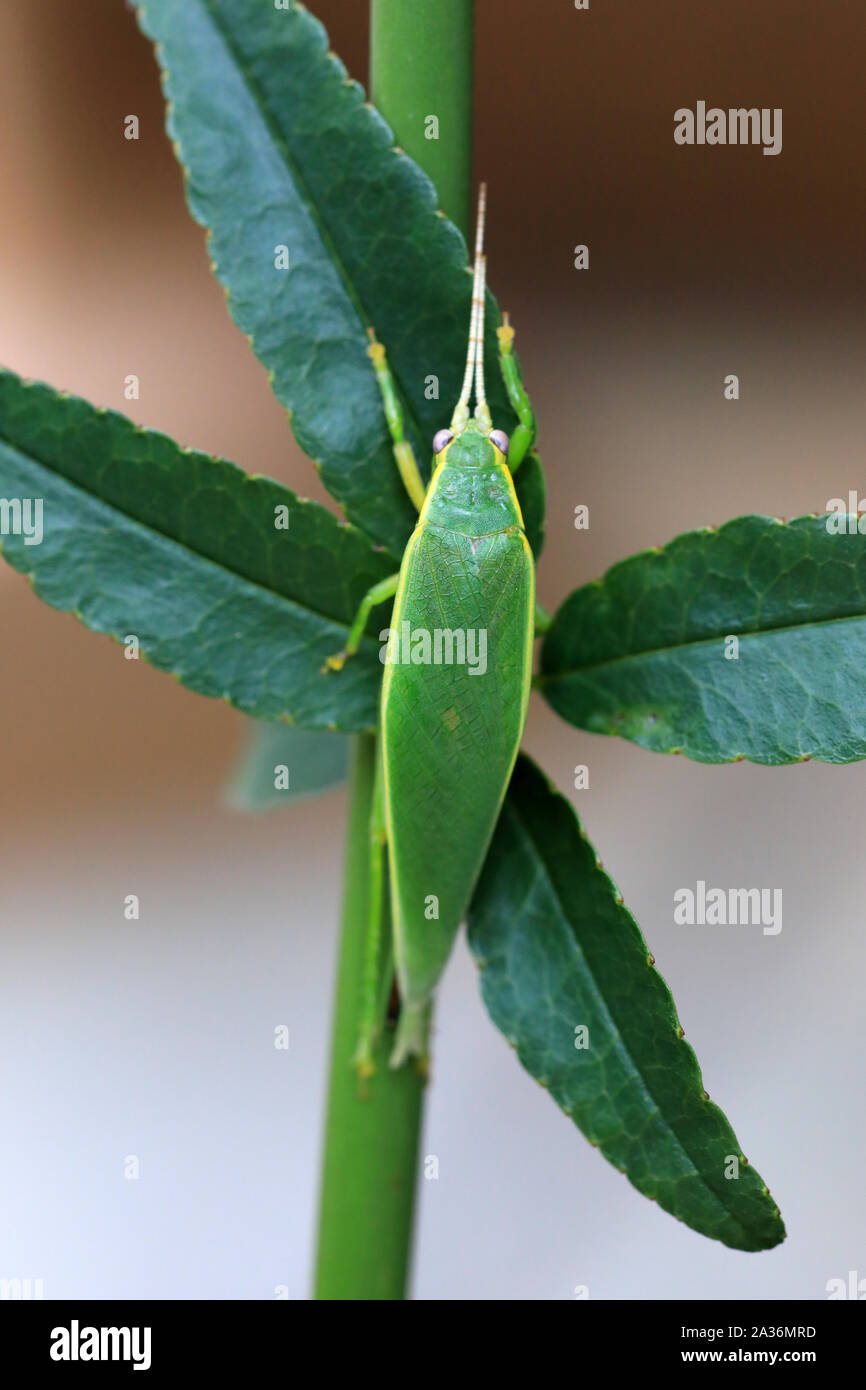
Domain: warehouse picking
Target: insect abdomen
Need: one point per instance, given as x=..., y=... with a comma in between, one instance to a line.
x=453, y=709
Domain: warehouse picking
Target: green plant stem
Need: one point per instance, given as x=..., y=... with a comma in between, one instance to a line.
x=371, y=1148
x=421, y=65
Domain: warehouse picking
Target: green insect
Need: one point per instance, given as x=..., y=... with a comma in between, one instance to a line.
x=458, y=668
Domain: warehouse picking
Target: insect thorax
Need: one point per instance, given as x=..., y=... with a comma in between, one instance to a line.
x=472, y=489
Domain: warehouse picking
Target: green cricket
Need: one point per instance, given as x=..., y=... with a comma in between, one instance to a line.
x=448, y=733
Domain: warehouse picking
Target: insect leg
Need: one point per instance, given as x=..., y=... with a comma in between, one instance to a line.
x=412, y=479
x=374, y=998
x=385, y=589
x=521, y=439
x=542, y=619
x=412, y=1037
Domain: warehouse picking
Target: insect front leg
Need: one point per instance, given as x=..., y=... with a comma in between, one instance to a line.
x=385, y=589
x=412, y=480
x=521, y=439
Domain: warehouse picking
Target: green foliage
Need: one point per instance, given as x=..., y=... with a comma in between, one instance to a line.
x=181, y=550
x=280, y=149
x=314, y=762
x=572, y=958
x=642, y=652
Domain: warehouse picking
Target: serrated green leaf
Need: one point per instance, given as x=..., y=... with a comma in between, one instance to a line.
x=144, y=538
x=558, y=952
x=280, y=149
x=644, y=653
x=313, y=762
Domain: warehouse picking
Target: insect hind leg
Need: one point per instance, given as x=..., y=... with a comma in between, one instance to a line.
x=412, y=1036
x=378, y=966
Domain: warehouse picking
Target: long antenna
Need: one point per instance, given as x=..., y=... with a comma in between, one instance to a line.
x=475, y=346
x=482, y=410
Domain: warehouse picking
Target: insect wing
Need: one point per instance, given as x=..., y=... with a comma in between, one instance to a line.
x=453, y=708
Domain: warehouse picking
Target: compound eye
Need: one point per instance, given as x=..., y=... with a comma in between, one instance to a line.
x=500, y=439
x=441, y=439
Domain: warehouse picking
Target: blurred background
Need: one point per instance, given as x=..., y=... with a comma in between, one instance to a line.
x=155, y=1038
